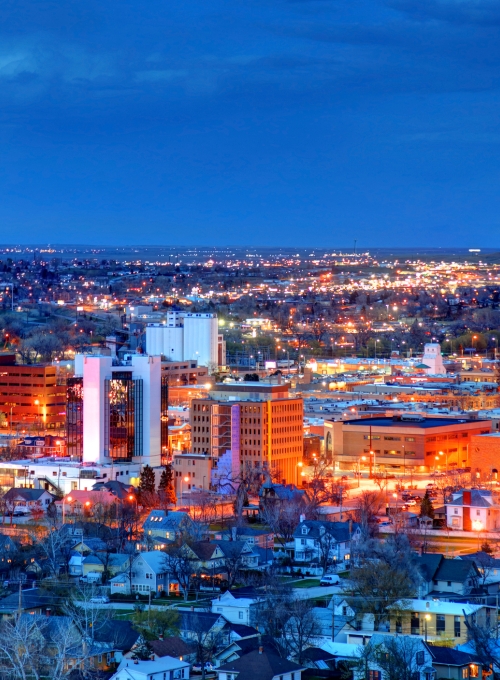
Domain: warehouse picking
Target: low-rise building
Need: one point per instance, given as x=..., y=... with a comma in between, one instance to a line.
x=473, y=510
x=324, y=542
x=237, y=606
x=164, y=668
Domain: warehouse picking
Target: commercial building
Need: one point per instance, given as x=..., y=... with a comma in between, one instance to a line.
x=31, y=397
x=59, y=475
x=117, y=411
x=180, y=373
x=258, y=422
x=406, y=441
x=186, y=336
x=192, y=471
x=485, y=456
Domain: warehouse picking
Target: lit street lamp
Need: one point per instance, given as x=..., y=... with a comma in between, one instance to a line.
x=69, y=499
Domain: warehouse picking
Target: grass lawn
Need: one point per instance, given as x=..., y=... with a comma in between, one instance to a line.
x=306, y=583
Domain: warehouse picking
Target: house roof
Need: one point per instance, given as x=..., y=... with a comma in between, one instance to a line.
x=151, y=667
x=340, y=531
x=479, y=498
x=242, y=630
x=263, y=666
x=171, y=646
x=26, y=494
x=161, y=519
x=283, y=492
x=204, y=550
x=120, y=634
x=451, y=657
x=455, y=570
x=155, y=559
x=197, y=621
x=428, y=564
x=31, y=598
x=117, y=488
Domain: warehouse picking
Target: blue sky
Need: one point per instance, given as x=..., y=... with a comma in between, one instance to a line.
x=250, y=122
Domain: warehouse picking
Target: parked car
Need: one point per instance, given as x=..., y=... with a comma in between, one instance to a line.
x=411, y=502
x=99, y=599
x=330, y=580
x=197, y=667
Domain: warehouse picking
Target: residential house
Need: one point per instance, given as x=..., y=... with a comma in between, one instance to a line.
x=318, y=540
x=260, y=664
x=212, y=558
x=473, y=510
x=238, y=648
x=446, y=578
x=195, y=625
x=120, y=635
x=90, y=544
x=167, y=526
x=237, y=606
x=174, y=646
x=438, y=618
x=281, y=493
x=123, y=492
x=75, y=565
x=113, y=563
x=28, y=499
x=262, y=538
x=79, y=502
x=164, y=668
x=455, y=664
x=149, y=573
x=413, y=650
x=31, y=601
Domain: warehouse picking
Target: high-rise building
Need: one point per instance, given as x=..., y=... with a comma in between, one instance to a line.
x=117, y=411
x=184, y=336
x=258, y=421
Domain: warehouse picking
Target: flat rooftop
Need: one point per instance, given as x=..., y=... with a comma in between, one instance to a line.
x=425, y=423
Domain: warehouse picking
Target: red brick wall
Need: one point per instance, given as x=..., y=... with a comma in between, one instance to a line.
x=484, y=455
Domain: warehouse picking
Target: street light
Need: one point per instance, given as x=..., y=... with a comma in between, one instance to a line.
x=427, y=618
x=477, y=525
x=442, y=453
x=69, y=499
x=299, y=465
x=186, y=479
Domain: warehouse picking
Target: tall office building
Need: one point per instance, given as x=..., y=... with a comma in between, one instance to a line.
x=117, y=412
x=184, y=336
x=258, y=422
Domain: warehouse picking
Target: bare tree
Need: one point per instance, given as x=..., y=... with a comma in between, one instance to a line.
x=180, y=563
x=300, y=627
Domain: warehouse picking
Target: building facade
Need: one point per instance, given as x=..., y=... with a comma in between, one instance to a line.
x=118, y=411
x=258, y=422
x=186, y=336
x=31, y=396
x=400, y=442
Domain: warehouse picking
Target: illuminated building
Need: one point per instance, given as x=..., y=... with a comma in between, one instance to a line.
x=185, y=336
x=118, y=410
x=402, y=442
x=30, y=395
x=258, y=422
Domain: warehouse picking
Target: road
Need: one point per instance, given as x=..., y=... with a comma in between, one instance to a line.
x=318, y=591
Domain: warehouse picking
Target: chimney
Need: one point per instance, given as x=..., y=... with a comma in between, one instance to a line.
x=302, y=518
x=192, y=608
x=47, y=611
x=234, y=531
x=466, y=498
x=160, y=636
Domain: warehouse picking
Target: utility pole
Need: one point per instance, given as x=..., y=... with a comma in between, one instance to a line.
x=149, y=606
x=333, y=618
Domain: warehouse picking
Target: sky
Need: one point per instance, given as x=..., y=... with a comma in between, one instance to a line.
x=250, y=122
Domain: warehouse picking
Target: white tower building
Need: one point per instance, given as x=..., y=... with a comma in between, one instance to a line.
x=433, y=359
x=121, y=409
x=185, y=336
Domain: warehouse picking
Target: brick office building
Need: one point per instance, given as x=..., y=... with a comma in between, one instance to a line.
x=405, y=442
x=257, y=420
x=31, y=397
x=485, y=455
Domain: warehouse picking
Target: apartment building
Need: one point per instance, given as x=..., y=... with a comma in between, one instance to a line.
x=30, y=396
x=403, y=442
x=257, y=420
